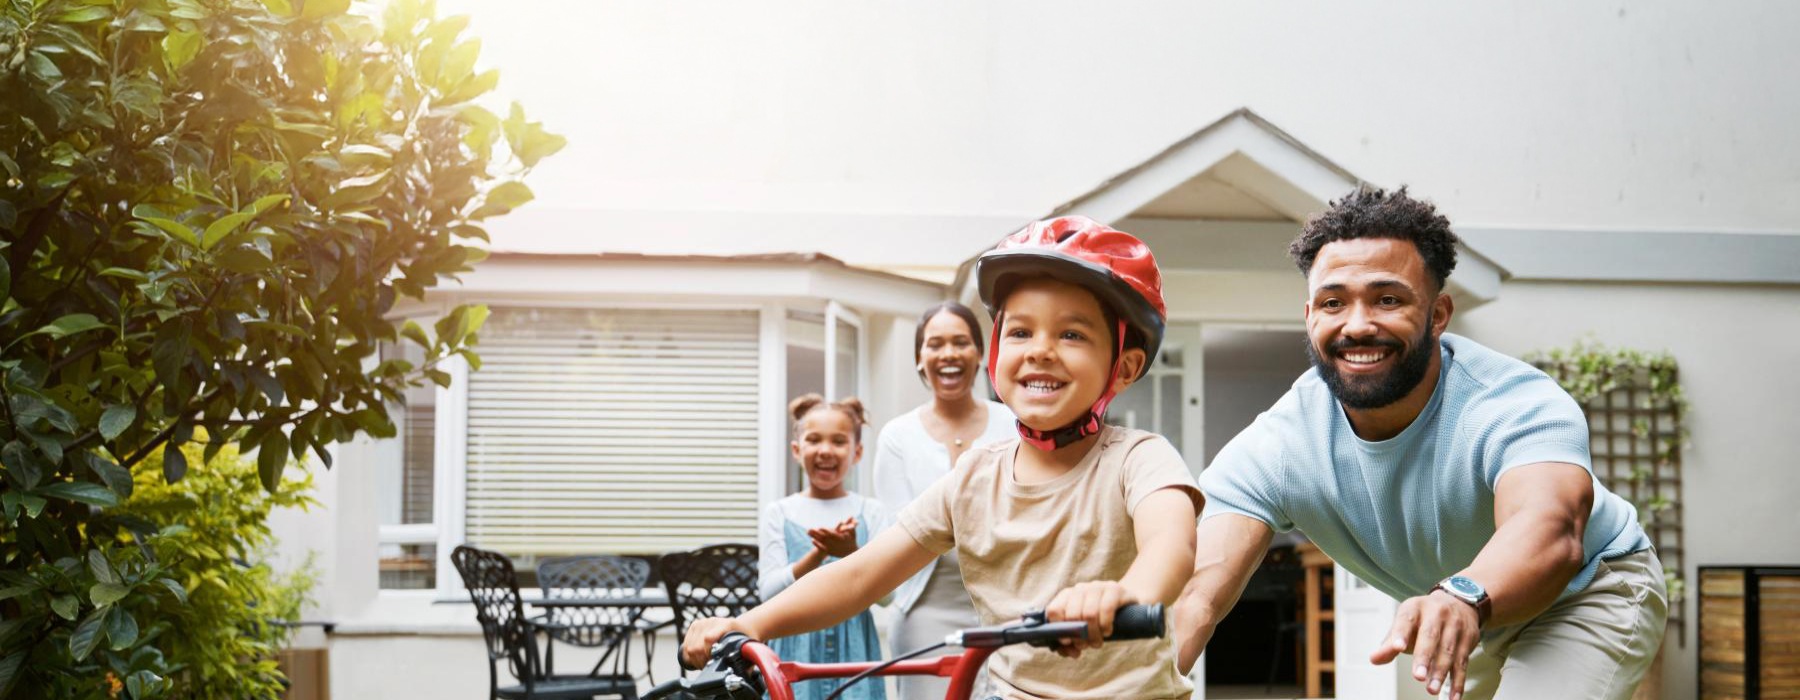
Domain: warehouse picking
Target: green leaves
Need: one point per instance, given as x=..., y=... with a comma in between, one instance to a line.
x=271, y=459
x=83, y=15
x=87, y=635
x=175, y=463
x=121, y=628
x=80, y=492
x=267, y=202
x=357, y=190
x=226, y=225
x=461, y=322
x=67, y=326
x=115, y=420
x=66, y=607
x=286, y=168
x=107, y=593
x=502, y=199
x=412, y=331
x=180, y=48
x=101, y=568
x=39, y=65
x=174, y=229
x=528, y=140
x=321, y=9
x=9, y=670
x=116, y=478
x=72, y=324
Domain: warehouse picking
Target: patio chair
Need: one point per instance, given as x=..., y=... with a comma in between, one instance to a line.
x=714, y=581
x=593, y=578
x=494, y=588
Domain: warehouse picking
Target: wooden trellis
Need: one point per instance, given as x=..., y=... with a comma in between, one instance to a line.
x=1636, y=436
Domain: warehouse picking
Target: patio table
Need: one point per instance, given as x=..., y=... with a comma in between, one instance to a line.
x=647, y=599
x=644, y=601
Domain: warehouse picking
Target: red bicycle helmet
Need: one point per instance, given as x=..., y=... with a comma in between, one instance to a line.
x=1113, y=265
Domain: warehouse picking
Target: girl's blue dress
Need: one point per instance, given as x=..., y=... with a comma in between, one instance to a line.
x=853, y=640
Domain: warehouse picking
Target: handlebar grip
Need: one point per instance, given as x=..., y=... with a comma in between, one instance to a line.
x=1138, y=621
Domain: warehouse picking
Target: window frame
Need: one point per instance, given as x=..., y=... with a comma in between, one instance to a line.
x=449, y=420
x=450, y=483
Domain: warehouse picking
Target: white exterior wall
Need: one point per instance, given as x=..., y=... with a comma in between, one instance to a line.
x=908, y=135
x=1738, y=348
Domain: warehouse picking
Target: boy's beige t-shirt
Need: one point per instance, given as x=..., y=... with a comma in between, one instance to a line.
x=1021, y=544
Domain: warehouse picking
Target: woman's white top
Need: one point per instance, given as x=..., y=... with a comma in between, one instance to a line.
x=775, y=569
x=908, y=460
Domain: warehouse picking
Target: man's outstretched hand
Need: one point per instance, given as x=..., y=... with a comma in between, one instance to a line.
x=1440, y=632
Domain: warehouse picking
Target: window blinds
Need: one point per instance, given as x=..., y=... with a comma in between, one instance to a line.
x=613, y=431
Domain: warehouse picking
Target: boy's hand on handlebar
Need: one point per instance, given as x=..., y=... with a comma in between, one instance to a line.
x=1093, y=602
x=696, y=649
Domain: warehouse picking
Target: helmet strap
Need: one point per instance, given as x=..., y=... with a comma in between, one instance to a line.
x=1089, y=423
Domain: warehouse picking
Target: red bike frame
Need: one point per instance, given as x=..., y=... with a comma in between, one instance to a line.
x=961, y=669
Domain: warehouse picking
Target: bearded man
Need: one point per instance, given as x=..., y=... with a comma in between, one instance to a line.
x=1449, y=476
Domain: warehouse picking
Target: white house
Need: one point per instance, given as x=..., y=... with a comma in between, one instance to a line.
x=757, y=201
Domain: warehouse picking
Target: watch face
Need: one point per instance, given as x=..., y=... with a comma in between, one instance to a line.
x=1464, y=587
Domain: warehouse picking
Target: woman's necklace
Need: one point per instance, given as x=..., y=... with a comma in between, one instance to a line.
x=960, y=441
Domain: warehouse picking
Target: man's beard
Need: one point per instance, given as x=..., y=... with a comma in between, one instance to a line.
x=1381, y=390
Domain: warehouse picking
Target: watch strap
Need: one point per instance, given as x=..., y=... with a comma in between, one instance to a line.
x=1484, y=606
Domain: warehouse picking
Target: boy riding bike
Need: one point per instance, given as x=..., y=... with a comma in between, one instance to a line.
x=1075, y=517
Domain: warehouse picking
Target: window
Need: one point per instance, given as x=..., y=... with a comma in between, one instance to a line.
x=1153, y=402
x=824, y=356
x=603, y=431
x=406, y=483
x=845, y=340
x=608, y=431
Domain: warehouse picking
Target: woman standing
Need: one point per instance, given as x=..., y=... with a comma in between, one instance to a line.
x=918, y=447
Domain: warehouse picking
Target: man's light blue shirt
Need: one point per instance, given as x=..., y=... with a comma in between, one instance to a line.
x=1405, y=512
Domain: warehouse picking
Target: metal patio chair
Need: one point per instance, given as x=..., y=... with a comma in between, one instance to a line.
x=715, y=581
x=598, y=577
x=494, y=588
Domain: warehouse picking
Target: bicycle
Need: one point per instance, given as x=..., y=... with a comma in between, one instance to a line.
x=742, y=668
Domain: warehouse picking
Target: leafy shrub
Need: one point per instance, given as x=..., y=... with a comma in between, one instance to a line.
x=208, y=209
x=213, y=538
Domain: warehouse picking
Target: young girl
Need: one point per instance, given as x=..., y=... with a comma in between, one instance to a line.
x=820, y=525
x=1075, y=516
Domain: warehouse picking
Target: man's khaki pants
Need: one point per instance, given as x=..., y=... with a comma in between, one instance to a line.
x=1594, y=645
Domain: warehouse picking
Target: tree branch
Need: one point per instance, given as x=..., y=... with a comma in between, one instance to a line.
x=162, y=437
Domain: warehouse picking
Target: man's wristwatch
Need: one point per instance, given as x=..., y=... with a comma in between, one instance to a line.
x=1468, y=591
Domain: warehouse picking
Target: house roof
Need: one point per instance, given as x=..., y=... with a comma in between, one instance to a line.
x=740, y=259
x=1175, y=150
x=1242, y=171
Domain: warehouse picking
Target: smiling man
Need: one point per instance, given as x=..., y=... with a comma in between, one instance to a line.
x=1444, y=474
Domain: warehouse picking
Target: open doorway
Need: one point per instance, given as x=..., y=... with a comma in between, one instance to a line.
x=1258, y=651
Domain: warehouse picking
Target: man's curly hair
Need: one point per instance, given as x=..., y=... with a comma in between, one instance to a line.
x=1371, y=212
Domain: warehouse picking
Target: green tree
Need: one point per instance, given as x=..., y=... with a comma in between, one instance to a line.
x=207, y=210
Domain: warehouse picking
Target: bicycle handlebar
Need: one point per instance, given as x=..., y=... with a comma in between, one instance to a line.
x=732, y=675
x=1138, y=621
